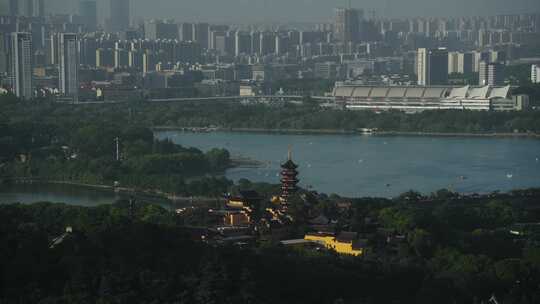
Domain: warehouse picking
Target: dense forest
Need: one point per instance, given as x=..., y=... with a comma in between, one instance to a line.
x=453, y=250
x=38, y=144
x=443, y=248
x=289, y=116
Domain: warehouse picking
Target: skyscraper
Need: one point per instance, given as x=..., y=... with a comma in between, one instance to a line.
x=21, y=64
x=68, y=65
x=347, y=24
x=88, y=12
x=120, y=15
x=432, y=66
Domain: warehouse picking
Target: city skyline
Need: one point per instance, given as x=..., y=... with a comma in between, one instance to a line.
x=264, y=11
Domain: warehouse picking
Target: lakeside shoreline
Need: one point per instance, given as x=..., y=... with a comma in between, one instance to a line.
x=344, y=132
x=152, y=195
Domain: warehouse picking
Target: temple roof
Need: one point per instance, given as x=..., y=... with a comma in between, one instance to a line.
x=289, y=164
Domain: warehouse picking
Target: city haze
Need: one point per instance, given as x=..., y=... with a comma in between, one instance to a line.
x=261, y=11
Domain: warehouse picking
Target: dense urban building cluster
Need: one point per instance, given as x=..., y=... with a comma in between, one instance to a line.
x=74, y=58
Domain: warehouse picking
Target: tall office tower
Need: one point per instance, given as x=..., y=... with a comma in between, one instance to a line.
x=242, y=43
x=120, y=15
x=68, y=65
x=347, y=24
x=186, y=32
x=490, y=73
x=535, y=73
x=88, y=12
x=432, y=66
x=201, y=34
x=21, y=64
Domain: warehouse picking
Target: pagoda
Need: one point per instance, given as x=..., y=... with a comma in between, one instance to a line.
x=289, y=179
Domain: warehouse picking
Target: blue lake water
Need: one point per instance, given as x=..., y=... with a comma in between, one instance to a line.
x=356, y=165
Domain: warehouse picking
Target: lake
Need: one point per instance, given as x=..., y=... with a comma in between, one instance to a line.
x=349, y=165
x=370, y=165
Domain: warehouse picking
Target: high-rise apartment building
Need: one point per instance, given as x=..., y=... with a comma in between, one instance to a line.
x=453, y=62
x=201, y=34
x=490, y=73
x=88, y=12
x=21, y=64
x=3, y=54
x=159, y=29
x=68, y=65
x=120, y=15
x=242, y=43
x=535, y=73
x=421, y=66
x=186, y=32
x=347, y=24
x=461, y=63
x=267, y=43
x=432, y=66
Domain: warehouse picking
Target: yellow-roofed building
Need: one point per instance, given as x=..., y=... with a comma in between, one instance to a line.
x=344, y=243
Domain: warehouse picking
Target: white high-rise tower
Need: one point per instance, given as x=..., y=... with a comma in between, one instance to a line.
x=21, y=65
x=68, y=65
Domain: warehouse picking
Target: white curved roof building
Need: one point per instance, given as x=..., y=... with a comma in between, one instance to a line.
x=419, y=98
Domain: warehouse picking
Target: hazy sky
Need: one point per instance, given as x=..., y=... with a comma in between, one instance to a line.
x=247, y=11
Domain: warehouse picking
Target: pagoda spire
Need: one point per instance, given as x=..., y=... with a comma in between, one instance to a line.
x=289, y=153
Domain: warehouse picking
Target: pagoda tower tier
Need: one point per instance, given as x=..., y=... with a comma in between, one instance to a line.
x=289, y=179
